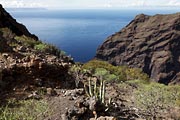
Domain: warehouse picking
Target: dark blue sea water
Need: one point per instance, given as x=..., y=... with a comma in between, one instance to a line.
x=78, y=32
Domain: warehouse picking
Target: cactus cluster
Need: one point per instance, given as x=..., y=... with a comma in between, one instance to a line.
x=95, y=90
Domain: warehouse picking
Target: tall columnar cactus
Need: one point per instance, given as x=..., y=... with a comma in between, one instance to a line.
x=93, y=90
x=90, y=88
x=103, y=92
x=100, y=90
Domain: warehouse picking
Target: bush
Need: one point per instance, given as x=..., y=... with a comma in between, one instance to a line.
x=40, y=47
x=27, y=41
x=7, y=33
x=136, y=74
x=24, y=110
x=115, y=73
x=153, y=99
x=105, y=74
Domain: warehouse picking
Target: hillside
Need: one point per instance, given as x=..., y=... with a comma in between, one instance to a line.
x=148, y=42
x=40, y=82
x=7, y=21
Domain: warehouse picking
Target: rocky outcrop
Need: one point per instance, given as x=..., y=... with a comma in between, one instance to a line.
x=23, y=65
x=148, y=42
x=7, y=21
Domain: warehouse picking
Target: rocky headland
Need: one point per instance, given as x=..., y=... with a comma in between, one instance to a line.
x=151, y=43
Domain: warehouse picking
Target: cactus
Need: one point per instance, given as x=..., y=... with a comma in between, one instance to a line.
x=86, y=90
x=93, y=91
x=103, y=92
x=100, y=90
x=90, y=88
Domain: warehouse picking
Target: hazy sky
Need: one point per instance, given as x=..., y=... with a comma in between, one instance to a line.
x=71, y=4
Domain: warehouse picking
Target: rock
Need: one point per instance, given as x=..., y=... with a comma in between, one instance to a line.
x=51, y=92
x=104, y=118
x=147, y=42
x=75, y=112
x=92, y=103
x=74, y=92
x=5, y=55
x=21, y=49
x=64, y=117
x=65, y=64
x=35, y=62
x=34, y=95
x=38, y=82
x=51, y=58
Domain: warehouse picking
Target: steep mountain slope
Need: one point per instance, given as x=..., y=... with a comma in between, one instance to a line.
x=25, y=60
x=6, y=20
x=148, y=42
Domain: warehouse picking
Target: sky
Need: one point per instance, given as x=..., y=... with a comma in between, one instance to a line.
x=81, y=4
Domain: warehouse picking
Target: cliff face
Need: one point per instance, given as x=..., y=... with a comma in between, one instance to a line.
x=148, y=42
x=7, y=21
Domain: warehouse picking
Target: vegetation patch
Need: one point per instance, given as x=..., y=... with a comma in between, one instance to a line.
x=24, y=110
x=115, y=73
x=7, y=33
x=155, y=99
x=26, y=41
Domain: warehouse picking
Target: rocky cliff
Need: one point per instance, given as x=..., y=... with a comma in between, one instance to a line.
x=148, y=42
x=6, y=20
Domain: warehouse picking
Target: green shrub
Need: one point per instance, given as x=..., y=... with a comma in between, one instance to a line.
x=27, y=41
x=24, y=110
x=101, y=72
x=115, y=73
x=155, y=98
x=93, y=64
x=40, y=47
x=48, y=48
x=136, y=74
x=7, y=33
x=105, y=74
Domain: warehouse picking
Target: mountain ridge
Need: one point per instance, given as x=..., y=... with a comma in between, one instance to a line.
x=7, y=21
x=147, y=42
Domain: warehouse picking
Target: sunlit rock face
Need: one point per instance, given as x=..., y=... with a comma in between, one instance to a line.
x=148, y=42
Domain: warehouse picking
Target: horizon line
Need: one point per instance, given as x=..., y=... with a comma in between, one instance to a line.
x=103, y=8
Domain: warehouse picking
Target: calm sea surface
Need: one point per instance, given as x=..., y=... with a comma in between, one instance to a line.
x=77, y=32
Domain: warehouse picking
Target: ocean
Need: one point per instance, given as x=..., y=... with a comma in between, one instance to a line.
x=78, y=32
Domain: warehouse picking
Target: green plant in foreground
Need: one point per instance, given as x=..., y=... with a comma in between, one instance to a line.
x=112, y=73
x=97, y=91
x=24, y=110
x=154, y=98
